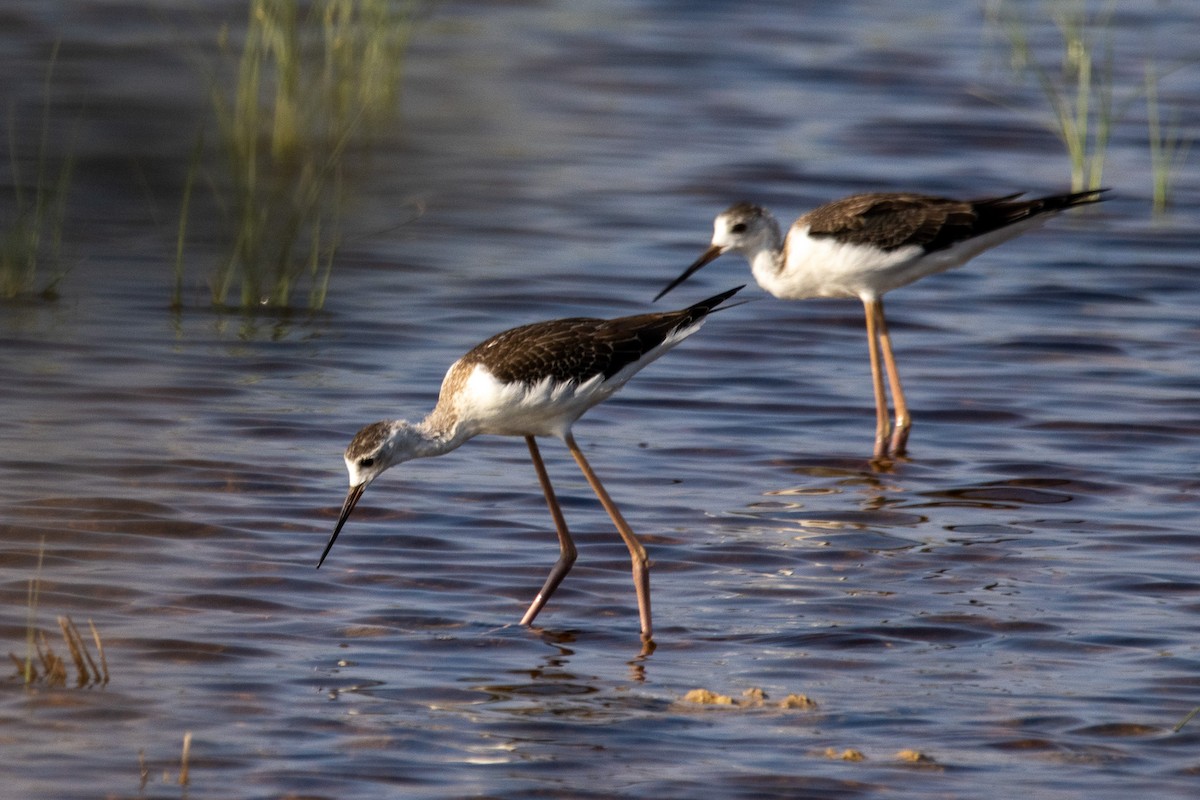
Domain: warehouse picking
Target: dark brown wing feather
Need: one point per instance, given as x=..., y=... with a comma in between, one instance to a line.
x=893, y=220
x=580, y=348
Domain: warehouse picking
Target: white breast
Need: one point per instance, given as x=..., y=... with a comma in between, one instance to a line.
x=545, y=408
x=825, y=267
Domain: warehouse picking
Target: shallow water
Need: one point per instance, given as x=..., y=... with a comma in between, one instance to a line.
x=1019, y=601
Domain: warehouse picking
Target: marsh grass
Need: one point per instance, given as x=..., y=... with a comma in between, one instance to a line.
x=185, y=212
x=1082, y=96
x=27, y=667
x=311, y=88
x=32, y=238
x=185, y=758
x=1080, y=90
x=41, y=664
x=182, y=778
x=1187, y=718
x=1168, y=148
x=46, y=667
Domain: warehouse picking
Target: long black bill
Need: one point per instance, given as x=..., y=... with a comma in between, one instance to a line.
x=348, y=506
x=709, y=255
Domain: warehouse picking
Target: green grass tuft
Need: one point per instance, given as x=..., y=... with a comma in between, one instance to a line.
x=41, y=664
x=32, y=238
x=1080, y=91
x=311, y=89
x=1168, y=148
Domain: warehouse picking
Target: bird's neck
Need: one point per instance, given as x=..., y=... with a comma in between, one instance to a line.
x=766, y=259
x=440, y=432
x=764, y=250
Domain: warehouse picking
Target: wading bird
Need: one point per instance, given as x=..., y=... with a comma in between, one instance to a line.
x=866, y=245
x=535, y=380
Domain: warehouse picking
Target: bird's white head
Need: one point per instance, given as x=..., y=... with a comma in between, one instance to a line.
x=743, y=227
x=746, y=228
x=372, y=450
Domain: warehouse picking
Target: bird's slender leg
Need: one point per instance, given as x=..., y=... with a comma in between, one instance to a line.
x=873, y=310
x=566, y=547
x=903, y=419
x=637, y=553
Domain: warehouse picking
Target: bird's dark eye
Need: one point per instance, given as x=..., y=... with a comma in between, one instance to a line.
x=366, y=462
x=738, y=228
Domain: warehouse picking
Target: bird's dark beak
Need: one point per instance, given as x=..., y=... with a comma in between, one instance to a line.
x=348, y=506
x=709, y=255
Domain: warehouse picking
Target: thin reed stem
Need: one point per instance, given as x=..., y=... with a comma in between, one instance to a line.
x=313, y=83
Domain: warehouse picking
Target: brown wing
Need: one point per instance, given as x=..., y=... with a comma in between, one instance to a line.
x=580, y=348
x=893, y=220
x=890, y=220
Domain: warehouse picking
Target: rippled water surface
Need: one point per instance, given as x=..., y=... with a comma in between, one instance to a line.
x=1018, y=602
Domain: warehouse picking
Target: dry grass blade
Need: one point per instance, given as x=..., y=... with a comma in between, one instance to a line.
x=88, y=671
x=41, y=662
x=24, y=668
x=50, y=669
x=31, y=603
x=184, y=776
x=54, y=669
x=99, y=652
x=143, y=771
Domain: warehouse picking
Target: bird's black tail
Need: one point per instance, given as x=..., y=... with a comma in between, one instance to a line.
x=706, y=307
x=690, y=316
x=1000, y=212
x=1057, y=202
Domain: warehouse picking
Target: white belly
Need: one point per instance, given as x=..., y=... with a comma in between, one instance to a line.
x=517, y=409
x=825, y=267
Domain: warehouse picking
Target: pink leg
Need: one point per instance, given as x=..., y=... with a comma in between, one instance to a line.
x=637, y=553
x=567, y=553
x=873, y=307
x=903, y=419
